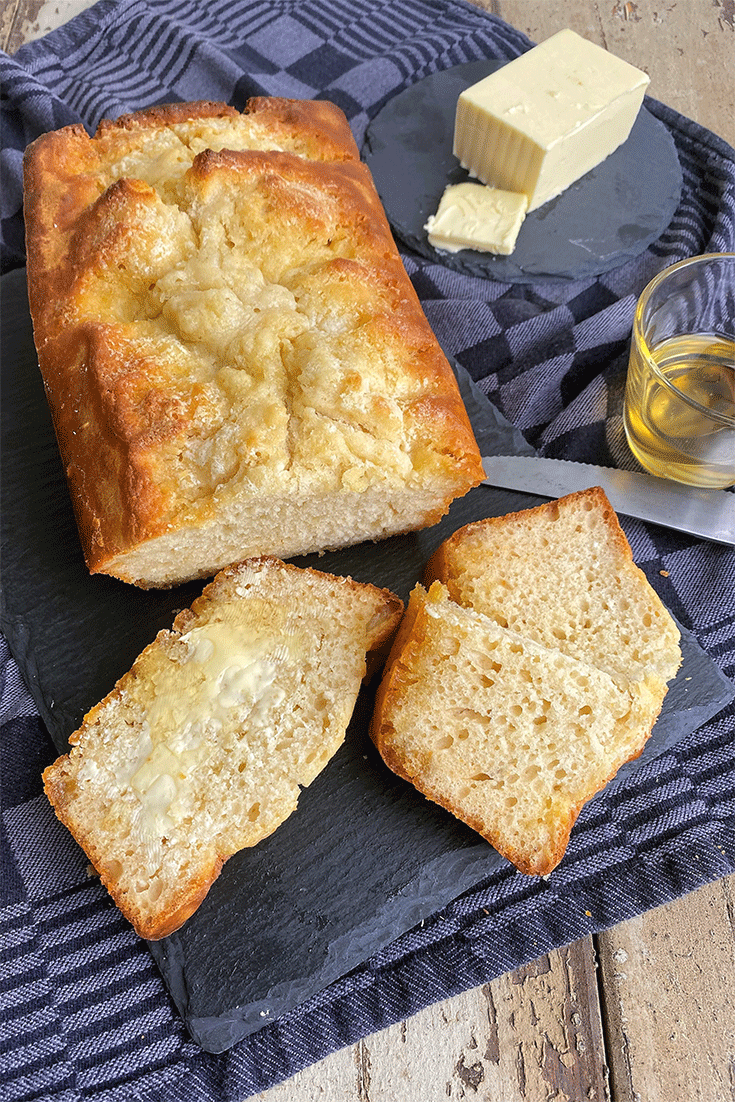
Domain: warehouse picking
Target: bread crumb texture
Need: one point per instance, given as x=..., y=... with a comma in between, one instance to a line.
x=563, y=574
x=235, y=358
x=533, y=667
x=203, y=747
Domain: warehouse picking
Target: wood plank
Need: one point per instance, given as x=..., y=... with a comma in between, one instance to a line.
x=8, y=17
x=30, y=19
x=669, y=1003
x=531, y=1035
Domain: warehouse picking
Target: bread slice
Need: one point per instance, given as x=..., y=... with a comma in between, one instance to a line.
x=235, y=359
x=534, y=668
x=508, y=735
x=563, y=575
x=203, y=746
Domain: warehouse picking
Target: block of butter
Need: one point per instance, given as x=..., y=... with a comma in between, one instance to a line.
x=548, y=117
x=473, y=216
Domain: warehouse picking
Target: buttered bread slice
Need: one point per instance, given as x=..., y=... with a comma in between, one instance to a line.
x=203, y=747
x=235, y=359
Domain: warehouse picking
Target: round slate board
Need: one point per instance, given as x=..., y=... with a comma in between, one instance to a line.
x=608, y=217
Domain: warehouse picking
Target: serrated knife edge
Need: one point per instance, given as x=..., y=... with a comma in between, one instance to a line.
x=708, y=514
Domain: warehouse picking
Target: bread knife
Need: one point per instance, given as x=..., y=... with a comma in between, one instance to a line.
x=709, y=514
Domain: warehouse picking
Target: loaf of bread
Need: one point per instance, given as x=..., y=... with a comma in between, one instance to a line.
x=201, y=749
x=235, y=359
x=522, y=680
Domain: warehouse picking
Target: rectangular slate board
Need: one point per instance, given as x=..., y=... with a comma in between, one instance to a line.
x=365, y=857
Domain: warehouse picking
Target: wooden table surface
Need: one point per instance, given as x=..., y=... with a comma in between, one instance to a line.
x=646, y=1011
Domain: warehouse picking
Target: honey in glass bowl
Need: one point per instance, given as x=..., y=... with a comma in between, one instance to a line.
x=679, y=411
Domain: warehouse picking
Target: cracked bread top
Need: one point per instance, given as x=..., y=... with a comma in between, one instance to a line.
x=227, y=334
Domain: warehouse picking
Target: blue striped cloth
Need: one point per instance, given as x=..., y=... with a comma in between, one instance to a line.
x=84, y=1013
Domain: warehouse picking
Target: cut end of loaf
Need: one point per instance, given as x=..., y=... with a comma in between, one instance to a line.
x=284, y=525
x=204, y=746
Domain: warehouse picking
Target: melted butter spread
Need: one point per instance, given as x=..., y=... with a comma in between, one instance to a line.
x=222, y=679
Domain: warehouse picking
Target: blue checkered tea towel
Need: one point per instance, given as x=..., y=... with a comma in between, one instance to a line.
x=83, y=1011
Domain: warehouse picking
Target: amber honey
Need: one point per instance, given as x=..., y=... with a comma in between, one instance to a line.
x=680, y=408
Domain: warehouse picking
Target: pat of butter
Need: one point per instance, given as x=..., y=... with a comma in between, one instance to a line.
x=473, y=216
x=221, y=673
x=548, y=117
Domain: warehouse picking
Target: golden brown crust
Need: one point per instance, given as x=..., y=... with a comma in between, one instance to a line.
x=62, y=173
x=306, y=121
x=153, y=929
x=319, y=119
x=166, y=114
x=390, y=681
x=381, y=631
x=118, y=366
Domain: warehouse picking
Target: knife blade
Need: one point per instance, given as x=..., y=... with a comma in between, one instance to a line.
x=709, y=514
